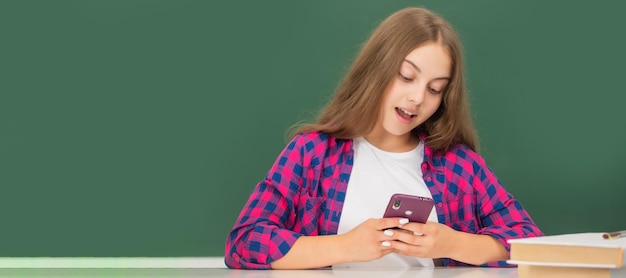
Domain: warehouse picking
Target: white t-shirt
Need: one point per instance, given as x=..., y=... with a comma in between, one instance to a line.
x=375, y=176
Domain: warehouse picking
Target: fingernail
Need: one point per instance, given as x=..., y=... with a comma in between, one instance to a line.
x=386, y=243
x=388, y=232
x=404, y=221
x=417, y=234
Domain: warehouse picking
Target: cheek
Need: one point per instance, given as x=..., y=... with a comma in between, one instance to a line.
x=434, y=102
x=389, y=100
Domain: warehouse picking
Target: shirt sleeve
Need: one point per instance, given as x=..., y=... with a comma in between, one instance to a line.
x=502, y=216
x=261, y=233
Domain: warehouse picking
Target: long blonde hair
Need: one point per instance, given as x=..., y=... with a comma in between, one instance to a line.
x=353, y=111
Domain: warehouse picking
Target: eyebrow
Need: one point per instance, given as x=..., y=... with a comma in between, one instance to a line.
x=420, y=71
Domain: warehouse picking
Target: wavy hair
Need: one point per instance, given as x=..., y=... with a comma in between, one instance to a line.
x=353, y=110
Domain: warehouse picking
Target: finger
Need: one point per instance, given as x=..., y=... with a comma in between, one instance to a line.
x=398, y=235
x=386, y=237
x=410, y=250
x=403, y=248
x=395, y=222
x=415, y=228
x=410, y=237
x=389, y=234
x=400, y=230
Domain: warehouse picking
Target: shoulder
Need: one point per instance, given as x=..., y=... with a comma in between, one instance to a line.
x=461, y=151
x=317, y=148
x=316, y=141
x=459, y=155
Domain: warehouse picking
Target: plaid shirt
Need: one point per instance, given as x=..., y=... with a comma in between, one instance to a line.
x=303, y=194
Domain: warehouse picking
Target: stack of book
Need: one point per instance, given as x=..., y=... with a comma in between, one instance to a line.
x=569, y=255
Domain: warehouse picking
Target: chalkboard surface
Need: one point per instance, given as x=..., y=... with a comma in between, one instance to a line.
x=139, y=127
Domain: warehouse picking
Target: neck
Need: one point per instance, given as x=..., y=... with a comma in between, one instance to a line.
x=391, y=143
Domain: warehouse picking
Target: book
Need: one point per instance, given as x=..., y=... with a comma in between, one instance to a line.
x=552, y=271
x=583, y=250
x=578, y=255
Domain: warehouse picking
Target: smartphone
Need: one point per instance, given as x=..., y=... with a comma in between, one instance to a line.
x=415, y=208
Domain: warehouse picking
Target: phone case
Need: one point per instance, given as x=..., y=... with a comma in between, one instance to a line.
x=415, y=208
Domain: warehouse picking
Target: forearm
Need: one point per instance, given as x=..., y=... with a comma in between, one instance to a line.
x=312, y=252
x=478, y=249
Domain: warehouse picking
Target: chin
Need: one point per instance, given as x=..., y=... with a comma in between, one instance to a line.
x=397, y=132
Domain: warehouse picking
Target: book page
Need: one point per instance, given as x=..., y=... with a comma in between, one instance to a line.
x=579, y=239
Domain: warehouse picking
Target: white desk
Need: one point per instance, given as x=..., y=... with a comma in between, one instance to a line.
x=459, y=272
x=213, y=267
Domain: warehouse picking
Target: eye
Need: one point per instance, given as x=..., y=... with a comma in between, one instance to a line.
x=404, y=78
x=433, y=91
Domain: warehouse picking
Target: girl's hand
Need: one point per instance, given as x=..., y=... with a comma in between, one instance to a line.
x=367, y=241
x=430, y=240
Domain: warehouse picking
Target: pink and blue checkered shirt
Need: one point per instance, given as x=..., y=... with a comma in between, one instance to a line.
x=303, y=194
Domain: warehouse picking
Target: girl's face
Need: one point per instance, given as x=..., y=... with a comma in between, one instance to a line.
x=412, y=97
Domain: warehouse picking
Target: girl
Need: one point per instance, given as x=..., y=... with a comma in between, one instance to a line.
x=398, y=123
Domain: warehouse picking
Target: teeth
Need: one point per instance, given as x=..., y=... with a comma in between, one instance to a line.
x=406, y=112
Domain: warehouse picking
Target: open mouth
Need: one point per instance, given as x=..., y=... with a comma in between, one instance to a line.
x=405, y=114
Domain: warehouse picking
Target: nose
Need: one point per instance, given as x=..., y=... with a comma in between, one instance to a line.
x=416, y=96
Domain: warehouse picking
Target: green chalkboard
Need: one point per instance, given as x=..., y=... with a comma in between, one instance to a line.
x=139, y=127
